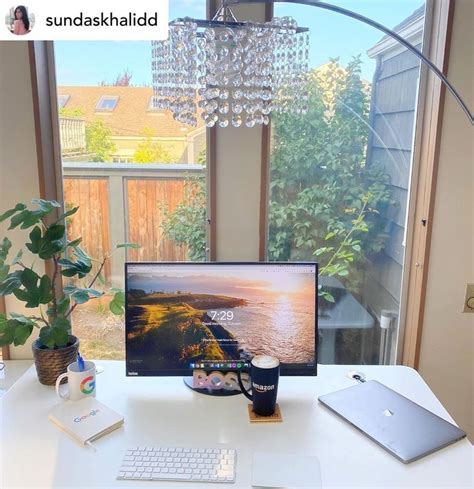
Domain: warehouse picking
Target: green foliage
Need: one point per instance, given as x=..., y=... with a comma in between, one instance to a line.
x=117, y=304
x=325, y=202
x=149, y=151
x=202, y=157
x=48, y=242
x=186, y=224
x=74, y=113
x=98, y=141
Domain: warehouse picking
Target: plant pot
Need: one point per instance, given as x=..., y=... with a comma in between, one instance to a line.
x=51, y=363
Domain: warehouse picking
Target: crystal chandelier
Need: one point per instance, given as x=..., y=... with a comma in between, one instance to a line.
x=231, y=73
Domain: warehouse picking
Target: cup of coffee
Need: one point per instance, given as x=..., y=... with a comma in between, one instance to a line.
x=81, y=383
x=264, y=376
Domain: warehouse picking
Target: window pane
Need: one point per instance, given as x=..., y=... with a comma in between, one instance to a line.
x=136, y=174
x=107, y=103
x=340, y=174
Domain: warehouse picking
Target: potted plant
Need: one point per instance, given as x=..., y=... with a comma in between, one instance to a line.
x=55, y=347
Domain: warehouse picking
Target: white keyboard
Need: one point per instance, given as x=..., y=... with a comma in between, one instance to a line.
x=178, y=464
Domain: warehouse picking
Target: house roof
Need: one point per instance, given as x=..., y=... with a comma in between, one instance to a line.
x=131, y=115
x=411, y=28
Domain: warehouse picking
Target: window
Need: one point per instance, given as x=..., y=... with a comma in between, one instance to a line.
x=107, y=103
x=62, y=100
x=143, y=201
x=152, y=106
x=339, y=175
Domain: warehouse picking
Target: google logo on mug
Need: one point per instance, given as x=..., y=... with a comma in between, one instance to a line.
x=87, y=385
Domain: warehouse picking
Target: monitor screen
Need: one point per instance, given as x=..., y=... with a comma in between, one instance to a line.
x=217, y=316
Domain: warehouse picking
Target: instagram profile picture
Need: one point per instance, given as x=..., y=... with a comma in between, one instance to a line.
x=19, y=20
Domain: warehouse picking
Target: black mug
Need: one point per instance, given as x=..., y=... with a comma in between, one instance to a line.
x=264, y=380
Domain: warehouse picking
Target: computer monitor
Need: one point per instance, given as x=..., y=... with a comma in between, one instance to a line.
x=217, y=316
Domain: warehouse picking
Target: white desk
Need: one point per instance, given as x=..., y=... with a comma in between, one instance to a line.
x=163, y=411
x=11, y=372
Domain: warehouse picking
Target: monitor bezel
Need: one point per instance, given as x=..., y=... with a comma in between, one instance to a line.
x=285, y=370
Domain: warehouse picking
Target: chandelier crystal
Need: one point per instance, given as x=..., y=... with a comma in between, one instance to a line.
x=231, y=73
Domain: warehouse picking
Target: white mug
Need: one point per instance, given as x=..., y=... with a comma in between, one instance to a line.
x=80, y=383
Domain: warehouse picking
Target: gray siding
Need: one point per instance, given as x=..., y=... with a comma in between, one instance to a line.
x=393, y=105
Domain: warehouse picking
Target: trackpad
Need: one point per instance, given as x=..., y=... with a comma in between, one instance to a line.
x=285, y=470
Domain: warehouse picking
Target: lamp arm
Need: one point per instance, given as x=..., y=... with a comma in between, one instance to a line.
x=380, y=27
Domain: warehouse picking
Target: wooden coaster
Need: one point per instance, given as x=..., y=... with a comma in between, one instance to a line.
x=256, y=418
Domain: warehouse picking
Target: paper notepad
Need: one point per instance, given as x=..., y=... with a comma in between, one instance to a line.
x=85, y=420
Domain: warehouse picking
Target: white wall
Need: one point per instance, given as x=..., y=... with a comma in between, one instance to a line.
x=446, y=360
x=18, y=161
x=238, y=180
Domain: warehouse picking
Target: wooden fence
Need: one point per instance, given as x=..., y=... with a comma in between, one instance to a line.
x=124, y=202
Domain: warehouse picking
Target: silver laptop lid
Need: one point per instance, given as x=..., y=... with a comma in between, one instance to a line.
x=404, y=428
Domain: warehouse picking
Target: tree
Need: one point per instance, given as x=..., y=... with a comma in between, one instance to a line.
x=325, y=202
x=121, y=80
x=76, y=112
x=98, y=141
x=149, y=151
x=186, y=225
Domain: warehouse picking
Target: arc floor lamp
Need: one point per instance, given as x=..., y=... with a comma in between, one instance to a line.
x=380, y=27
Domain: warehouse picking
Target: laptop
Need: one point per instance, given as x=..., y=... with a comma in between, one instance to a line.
x=400, y=426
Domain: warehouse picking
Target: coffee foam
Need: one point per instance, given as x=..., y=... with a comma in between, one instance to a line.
x=265, y=361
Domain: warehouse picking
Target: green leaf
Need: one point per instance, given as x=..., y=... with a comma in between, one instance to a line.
x=10, y=212
x=7, y=331
x=45, y=290
x=81, y=267
x=4, y=269
x=22, y=332
x=117, y=303
x=48, y=245
x=74, y=242
x=16, y=330
x=55, y=232
x=35, y=237
x=46, y=205
x=81, y=295
x=4, y=249
x=10, y=283
x=63, y=304
x=18, y=257
x=128, y=245
x=55, y=335
x=29, y=278
x=71, y=268
x=67, y=214
x=32, y=293
x=26, y=218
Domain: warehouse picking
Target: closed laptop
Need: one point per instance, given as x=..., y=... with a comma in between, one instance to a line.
x=404, y=428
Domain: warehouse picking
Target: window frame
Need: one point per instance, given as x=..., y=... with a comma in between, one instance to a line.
x=61, y=105
x=424, y=172
x=103, y=98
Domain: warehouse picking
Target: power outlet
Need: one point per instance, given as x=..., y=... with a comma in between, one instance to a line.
x=469, y=299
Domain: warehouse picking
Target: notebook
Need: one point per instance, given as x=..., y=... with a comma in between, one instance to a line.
x=405, y=429
x=85, y=420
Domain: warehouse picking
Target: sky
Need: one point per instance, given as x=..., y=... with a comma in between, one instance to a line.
x=88, y=63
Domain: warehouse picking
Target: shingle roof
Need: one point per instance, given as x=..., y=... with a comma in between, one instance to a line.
x=417, y=14
x=130, y=116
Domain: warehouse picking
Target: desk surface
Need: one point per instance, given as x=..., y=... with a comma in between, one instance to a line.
x=163, y=411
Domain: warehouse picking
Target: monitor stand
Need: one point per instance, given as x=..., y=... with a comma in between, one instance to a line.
x=216, y=383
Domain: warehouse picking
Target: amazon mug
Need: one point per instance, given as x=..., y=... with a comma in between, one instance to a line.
x=264, y=380
x=80, y=383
